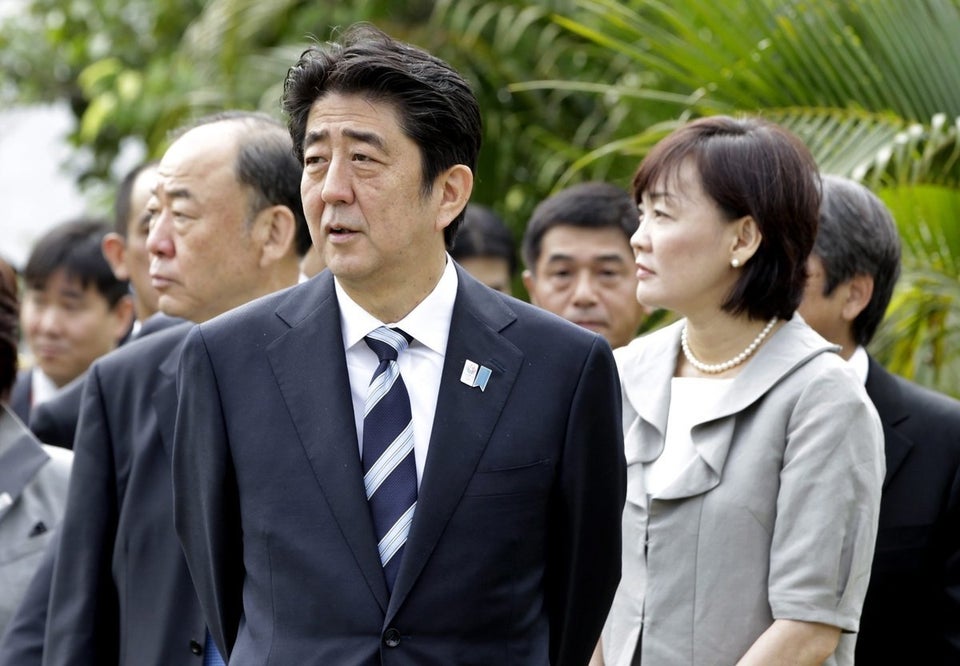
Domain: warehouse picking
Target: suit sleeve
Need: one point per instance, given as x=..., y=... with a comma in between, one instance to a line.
x=583, y=567
x=206, y=505
x=827, y=506
x=83, y=616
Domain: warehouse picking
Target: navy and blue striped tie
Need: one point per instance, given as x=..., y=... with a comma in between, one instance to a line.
x=211, y=655
x=389, y=469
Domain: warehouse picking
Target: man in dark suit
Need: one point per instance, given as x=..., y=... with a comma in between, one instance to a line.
x=462, y=509
x=911, y=614
x=226, y=227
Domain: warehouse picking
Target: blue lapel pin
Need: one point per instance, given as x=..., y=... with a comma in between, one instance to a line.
x=475, y=374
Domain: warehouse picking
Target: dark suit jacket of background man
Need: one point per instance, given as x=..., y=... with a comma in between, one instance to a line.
x=55, y=421
x=912, y=610
x=514, y=550
x=121, y=591
x=21, y=394
x=22, y=644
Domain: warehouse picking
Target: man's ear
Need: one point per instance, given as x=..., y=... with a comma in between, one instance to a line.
x=859, y=290
x=275, y=229
x=530, y=284
x=123, y=315
x=114, y=248
x=455, y=186
x=746, y=239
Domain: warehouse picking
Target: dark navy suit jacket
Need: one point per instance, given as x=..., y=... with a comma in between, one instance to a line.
x=911, y=614
x=514, y=551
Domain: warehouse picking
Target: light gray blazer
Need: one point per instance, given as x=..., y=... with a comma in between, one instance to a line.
x=776, y=518
x=33, y=492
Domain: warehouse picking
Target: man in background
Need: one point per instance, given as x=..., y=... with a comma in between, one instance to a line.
x=226, y=228
x=125, y=248
x=74, y=310
x=55, y=421
x=579, y=262
x=911, y=614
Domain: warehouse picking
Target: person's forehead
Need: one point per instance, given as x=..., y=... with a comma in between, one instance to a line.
x=351, y=115
x=204, y=157
x=62, y=282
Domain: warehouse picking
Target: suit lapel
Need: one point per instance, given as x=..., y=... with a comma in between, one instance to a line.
x=21, y=457
x=311, y=371
x=885, y=394
x=465, y=418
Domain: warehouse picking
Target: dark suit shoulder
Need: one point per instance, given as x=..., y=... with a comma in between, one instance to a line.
x=143, y=354
x=156, y=323
x=897, y=398
x=251, y=319
x=55, y=421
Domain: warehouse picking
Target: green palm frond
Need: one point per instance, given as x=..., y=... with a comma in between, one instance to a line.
x=921, y=334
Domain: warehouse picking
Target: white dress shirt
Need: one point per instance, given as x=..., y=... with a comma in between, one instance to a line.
x=42, y=388
x=421, y=364
x=860, y=363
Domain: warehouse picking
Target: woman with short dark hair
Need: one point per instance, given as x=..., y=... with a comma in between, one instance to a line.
x=755, y=458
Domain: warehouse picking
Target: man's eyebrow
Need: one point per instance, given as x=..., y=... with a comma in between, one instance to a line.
x=619, y=258
x=371, y=138
x=175, y=193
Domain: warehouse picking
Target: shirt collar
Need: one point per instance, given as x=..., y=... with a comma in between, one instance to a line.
x=428, y=323
x=860, y=362
x=42, y=387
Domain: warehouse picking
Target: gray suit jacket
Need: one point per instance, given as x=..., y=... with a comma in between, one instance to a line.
x=514, y=550
x=776, y=516
x=33, y=491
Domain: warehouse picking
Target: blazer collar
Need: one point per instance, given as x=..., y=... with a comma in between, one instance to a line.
x=647, y=367
x=21, y=457
x=887, y=397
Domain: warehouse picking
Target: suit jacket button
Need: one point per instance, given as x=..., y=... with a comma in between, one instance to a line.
x=196, y=648
x=391, y=638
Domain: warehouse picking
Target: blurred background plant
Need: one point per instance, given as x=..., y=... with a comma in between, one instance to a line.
x=571, y=90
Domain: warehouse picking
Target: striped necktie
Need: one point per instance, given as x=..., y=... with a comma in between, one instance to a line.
x=389, y=470
x=211, y=655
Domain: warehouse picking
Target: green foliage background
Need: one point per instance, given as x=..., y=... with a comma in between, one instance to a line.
x=571, y=90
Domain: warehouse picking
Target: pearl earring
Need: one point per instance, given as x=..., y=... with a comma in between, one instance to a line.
x=735, y=263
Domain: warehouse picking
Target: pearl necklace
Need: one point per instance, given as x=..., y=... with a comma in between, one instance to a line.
x=716, y=368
